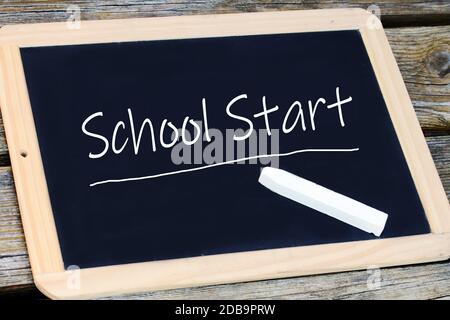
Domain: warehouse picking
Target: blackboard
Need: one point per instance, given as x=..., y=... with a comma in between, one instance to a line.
x=221, y=209
x=119, y=210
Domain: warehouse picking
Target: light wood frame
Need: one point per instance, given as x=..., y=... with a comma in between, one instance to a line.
x=35, y=208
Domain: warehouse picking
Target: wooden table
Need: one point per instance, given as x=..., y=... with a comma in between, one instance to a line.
x=419, y=33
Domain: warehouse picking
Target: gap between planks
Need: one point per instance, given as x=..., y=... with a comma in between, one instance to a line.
x=392, y=13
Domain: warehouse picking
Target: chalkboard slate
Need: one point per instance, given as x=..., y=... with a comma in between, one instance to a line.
x=222, y=209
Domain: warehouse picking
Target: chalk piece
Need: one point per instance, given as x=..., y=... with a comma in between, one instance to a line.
x=324, y=200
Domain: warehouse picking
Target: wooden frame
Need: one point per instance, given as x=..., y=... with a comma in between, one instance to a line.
x=42, y=241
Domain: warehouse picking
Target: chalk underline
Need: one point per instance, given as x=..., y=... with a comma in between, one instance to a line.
x=219, y=164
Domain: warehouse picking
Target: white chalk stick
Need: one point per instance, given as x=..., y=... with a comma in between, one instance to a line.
x=324, y=200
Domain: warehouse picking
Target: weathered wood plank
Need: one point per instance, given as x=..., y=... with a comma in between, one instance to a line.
x=427, y=281
x=423, y=55
x=440, y=150
x=393, y=12
x=4, y=157
x=14, y=266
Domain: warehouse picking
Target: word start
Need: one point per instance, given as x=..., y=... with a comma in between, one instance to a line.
x=121, y=133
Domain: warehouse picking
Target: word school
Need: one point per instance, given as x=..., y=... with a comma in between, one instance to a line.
x=294, y=117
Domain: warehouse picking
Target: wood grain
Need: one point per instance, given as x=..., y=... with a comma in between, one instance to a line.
x=428, y=281
x=392, y=12
x=423, y=55
x=14, y=265
x=4, y=157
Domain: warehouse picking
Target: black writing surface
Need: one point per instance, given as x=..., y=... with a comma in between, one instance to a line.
x=127, y=199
